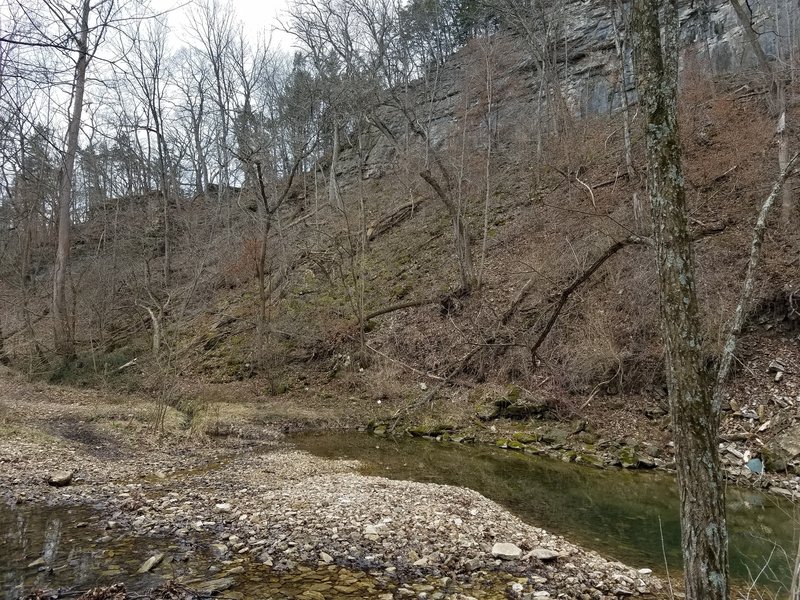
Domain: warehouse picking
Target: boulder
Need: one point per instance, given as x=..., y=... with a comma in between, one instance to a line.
x=544, y=554
x=782, y=449
x=628, y=458
x=553, y=436
x=654, y=411
x=489, y=411
x=525, y=409
x=506, y=551
x=511, y=407
x=525, y=437
x=60, y=478
x=589, y=458
x=777, y=366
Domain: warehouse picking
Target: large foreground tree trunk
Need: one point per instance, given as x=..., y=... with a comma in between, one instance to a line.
x=695, y=423
x=62, y=329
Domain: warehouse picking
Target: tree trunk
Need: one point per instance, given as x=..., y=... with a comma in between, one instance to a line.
x=787, y=202
x=62, y=331
x=461, y=235
x=620, y=47
x=333, y=190
x=695, y=423
x=3, y=356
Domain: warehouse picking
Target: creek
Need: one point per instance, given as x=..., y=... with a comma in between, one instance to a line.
x=52, y=547
x=628, y=515
x=631, y=516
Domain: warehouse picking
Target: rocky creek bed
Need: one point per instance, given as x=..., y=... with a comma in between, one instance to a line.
x=250, y=515
x=279, y=513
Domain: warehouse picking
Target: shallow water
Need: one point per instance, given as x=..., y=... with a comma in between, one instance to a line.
x=628, y=515
x=622, y=514
x=70, y=548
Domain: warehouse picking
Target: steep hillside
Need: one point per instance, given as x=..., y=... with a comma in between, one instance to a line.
x=541, y=208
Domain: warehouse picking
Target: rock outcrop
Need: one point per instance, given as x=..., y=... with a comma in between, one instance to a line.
x=588, y=70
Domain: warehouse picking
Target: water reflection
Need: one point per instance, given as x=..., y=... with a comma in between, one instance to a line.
x=52, y=537
x=49, y=547
x=628, y=515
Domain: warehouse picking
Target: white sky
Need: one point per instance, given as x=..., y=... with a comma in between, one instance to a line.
x=258, y=17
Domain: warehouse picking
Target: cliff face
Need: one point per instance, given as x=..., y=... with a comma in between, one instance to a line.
x=590, y=78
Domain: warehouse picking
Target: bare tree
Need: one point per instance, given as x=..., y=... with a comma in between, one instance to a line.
x=213, y=26
x=78, y=31
x=145, y=62
x=372, y=48
x=542, y=23
x=192, y=85
x=695, y=422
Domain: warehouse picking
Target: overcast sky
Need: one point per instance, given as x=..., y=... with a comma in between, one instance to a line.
x=257, y=17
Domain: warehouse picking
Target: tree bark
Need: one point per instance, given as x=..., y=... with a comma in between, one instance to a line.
x=695, y=423
x=62, y=330
x=3, y=356
x=333, y=186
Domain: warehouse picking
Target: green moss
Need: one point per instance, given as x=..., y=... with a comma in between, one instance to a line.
x=525, y=437
x=587, y=437
x=513, y=393
x=429, y=430
x=589, y=459
x=627, y=457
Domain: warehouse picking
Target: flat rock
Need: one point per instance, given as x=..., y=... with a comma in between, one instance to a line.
x=215, y=585
x=60, y=478
x=151, y=563
x=378, y=529
x=506, y=551
x=544, y=554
